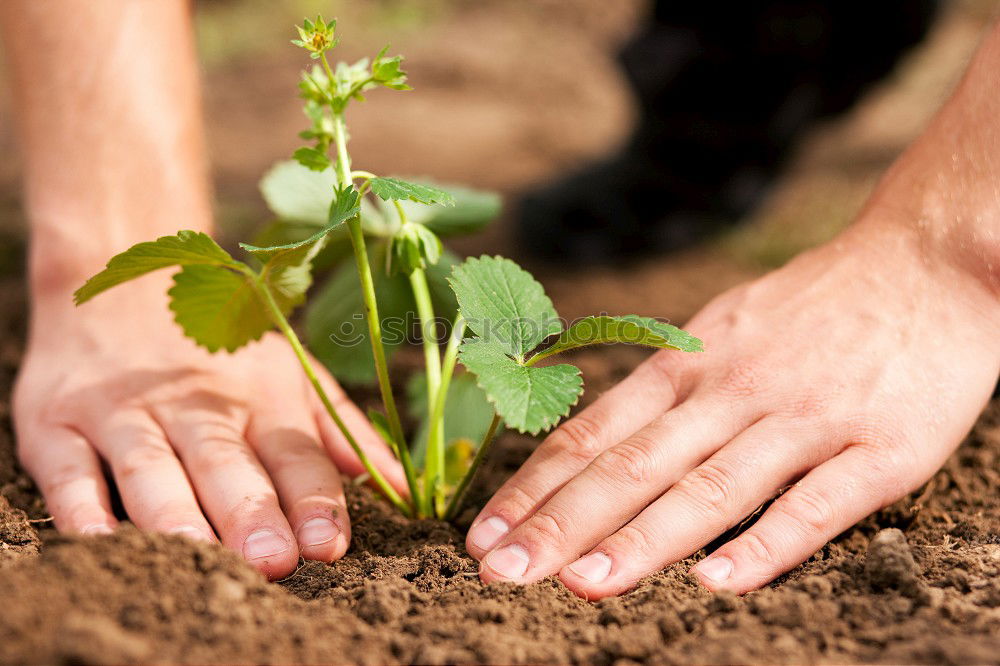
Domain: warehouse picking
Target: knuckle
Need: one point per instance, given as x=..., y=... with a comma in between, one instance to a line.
x=140, y=458
x=810, y=510
x=548, y=526
x=175, y=513
x=882, y=478
x=669, y=367
x=251, y=509
x=299, y=451
x=219, y=455
x=808, y=406
x=759, y=550
x=741, y=379
x=876, y=430
x=631, y=461
x=632, y=540
x=55, y=482
x=511, y=503
x=579, y=437
x=708, y=487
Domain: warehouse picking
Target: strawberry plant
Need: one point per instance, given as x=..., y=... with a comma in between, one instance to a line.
x=502, y=323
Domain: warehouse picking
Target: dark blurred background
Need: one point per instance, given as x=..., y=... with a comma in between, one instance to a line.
x=517, y=95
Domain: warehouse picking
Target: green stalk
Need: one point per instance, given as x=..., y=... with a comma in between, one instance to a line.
x=435, y=431
x=458, y=499
x=282, y=322
x=371, y=312
x=434, y=465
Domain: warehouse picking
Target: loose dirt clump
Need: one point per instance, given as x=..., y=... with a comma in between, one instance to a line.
x=889, y=564
x=17, y=538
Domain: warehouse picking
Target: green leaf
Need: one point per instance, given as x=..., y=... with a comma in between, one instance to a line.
x=395, y=189
x=218, y=308
x=187, y=248
x=629, y=329
x=295, y=193
x=529, y=399
x=473, y=210
x=336, y=249
x=345, y=206
x=467, y=412
x=503, y=304
x=312, y=159
x=387, y=71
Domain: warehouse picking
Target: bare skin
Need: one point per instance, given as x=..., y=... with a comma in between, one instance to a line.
x=848, y=377
x=234, y=447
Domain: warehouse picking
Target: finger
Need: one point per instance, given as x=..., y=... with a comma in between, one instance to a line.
x=234, y=489
x=308, y=483
x=827, y=501
x=616, y=486
x=68, y=472
x=621, y=411
x=152, y=484
x=704, y=503
x=378, y=452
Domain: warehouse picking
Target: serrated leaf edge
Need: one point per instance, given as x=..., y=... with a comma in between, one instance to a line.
x=546, y=424
x=497, y=257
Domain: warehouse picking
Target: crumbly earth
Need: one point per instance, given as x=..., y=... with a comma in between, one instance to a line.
x=917, y=583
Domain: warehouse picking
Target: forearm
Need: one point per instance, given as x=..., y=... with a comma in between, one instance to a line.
x=944, y=192
x=108, y=113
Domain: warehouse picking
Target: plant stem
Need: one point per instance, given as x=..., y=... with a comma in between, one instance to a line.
x=343, y=159
x=300, y=353
x=371, y=312
x=458, y=499
x=434, y=465
x=435, y=431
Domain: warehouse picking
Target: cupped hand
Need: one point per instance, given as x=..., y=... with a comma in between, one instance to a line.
x=845, y=378
x=229, y=446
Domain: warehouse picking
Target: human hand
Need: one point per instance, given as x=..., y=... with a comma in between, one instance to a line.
x=198, y=444
x=850, y=375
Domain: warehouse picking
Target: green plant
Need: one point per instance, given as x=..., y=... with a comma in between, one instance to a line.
x=327, y=212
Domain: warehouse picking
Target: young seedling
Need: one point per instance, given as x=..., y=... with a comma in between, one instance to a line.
x=392, y=228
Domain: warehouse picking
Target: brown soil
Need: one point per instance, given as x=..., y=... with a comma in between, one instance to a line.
x=408, y=593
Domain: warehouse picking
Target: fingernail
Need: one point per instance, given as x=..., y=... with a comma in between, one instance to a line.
x=486, y=534
x=510, y=561
x=93, y=530
x=594, y=567
x=264, y=543
x=316, y=532
x=716, y=569
x=192, y=533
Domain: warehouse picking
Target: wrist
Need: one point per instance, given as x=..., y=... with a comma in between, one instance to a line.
x=66, y=250
x=920, y=244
